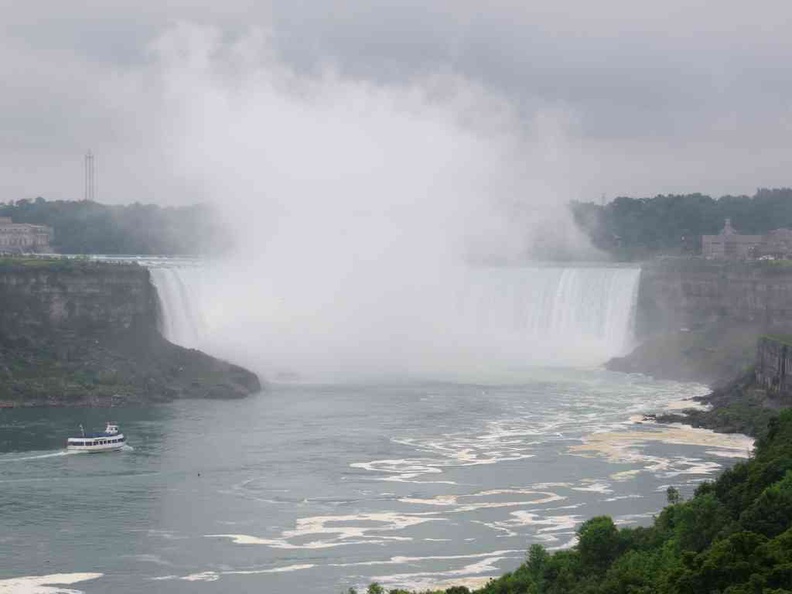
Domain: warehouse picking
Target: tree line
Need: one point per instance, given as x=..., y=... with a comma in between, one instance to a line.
x=641, y=228
x=86, y=227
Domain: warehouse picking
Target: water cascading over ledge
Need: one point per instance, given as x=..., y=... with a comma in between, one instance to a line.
x=472, y=319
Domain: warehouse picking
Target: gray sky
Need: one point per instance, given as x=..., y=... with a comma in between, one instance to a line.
x=622, y=97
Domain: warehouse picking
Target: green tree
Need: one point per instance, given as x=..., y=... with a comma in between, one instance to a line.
x=598, y=543
x=536, y=564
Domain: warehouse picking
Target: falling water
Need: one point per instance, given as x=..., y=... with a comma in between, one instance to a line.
x=180, y=314
x=479, y=320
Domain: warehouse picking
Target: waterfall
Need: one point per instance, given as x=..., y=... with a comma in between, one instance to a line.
x=180, y=308
x=473, y=318
x=567, y=310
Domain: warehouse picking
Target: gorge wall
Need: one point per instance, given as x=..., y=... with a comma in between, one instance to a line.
x=699, y=320
x=62, y=297
x=692, y=293
x=774, y=365
x=86, y=333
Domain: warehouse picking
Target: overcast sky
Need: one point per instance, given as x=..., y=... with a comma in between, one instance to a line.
x=633, y=98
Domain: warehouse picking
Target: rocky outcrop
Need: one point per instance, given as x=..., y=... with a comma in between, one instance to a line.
x=86, y=333
x=747, y=402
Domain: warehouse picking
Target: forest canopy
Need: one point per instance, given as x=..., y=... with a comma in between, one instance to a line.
x=86, y=227
x=640, y=228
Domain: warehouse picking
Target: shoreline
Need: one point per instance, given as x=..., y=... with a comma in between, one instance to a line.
x=739, y=406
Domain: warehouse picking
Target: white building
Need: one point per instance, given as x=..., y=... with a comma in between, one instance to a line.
x=23, y=238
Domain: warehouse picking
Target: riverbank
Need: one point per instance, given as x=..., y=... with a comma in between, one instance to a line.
x=746, y=371
x=739, y=406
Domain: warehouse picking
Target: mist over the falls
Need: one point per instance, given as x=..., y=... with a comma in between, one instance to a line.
x=362, y=215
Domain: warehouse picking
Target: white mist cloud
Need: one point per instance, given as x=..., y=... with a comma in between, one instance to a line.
x=356, y=205
x=439, y=163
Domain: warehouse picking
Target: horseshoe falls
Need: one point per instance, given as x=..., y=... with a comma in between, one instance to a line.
x=474, y=324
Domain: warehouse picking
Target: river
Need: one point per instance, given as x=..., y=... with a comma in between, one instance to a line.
x=319, y=487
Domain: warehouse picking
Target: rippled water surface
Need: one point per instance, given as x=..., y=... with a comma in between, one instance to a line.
x=319, y=488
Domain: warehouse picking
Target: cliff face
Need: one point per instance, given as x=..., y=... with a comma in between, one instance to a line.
x=79, y=333
x=774, y=365
x=64, y=297
x=677, y=294
x=699, y=320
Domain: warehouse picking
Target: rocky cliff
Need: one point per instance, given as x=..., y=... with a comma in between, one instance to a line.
x=748, y=402
x=699, y=320
x=774, y=365
x=680, y=294
x=74, y=332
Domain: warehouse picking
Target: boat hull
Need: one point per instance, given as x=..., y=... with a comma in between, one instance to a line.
x=96, y=445
x=95, y=449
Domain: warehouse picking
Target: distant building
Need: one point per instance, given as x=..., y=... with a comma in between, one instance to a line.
x=776, y=244
x=731, y=245
x=23, y=238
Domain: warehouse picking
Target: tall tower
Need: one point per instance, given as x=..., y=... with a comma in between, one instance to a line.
x=90, y=177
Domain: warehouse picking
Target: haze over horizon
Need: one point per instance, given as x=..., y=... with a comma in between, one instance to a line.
x=621, y=99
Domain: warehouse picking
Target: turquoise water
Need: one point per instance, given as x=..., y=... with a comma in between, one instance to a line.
x=322, y=487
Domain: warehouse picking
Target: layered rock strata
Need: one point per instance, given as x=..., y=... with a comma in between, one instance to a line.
x=86, y=333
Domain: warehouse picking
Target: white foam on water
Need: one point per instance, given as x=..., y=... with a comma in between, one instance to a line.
x=693, y=467
x=631, y=518
x=620, y=497
x=35, y=456
x=204, y=576
x=625, y=475
x=433, y=579
x=545, y=524
x=46, y=584
x=460, y=503
x=593, y=486
x=164, y=578
x=340, y=535
x=405, y=560
x=213, y=576
x=285, y=569
x=627, y=446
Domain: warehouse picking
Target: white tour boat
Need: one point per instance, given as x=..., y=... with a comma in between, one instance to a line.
x=107, y=441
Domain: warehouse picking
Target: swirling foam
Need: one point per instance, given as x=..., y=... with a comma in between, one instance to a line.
x=46, y=584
